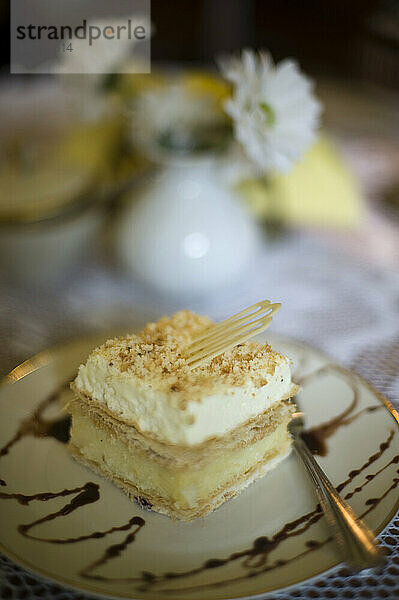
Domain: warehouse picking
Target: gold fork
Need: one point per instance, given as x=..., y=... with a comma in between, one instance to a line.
x=232, y=331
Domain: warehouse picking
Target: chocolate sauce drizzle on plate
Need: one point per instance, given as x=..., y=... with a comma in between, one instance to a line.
x=58, y=428
x=37, y=426
x=254, y=560
x=316, y=437
x=115, y=550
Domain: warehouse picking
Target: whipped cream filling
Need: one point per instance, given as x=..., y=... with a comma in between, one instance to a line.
x=158, y=413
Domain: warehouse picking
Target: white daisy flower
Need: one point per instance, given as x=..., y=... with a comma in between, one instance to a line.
x=274, y=112
x=172, y=117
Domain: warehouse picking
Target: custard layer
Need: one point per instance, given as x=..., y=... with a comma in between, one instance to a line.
x=181, y=490
x=178, y=455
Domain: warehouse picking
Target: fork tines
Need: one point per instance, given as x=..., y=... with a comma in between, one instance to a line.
x=230, y=332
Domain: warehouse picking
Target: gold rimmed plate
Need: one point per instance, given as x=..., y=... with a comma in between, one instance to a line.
x=64, y=522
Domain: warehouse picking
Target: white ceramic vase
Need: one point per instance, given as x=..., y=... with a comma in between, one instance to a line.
x=184, y=231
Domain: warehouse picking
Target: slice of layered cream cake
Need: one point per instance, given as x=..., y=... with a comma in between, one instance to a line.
x=181, y=440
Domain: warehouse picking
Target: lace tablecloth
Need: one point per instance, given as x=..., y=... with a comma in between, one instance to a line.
x=342, y=305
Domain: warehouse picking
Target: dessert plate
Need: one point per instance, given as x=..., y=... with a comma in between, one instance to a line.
x=60, y=520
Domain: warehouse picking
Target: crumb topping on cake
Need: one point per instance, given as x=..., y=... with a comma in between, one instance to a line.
x=155, y=357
